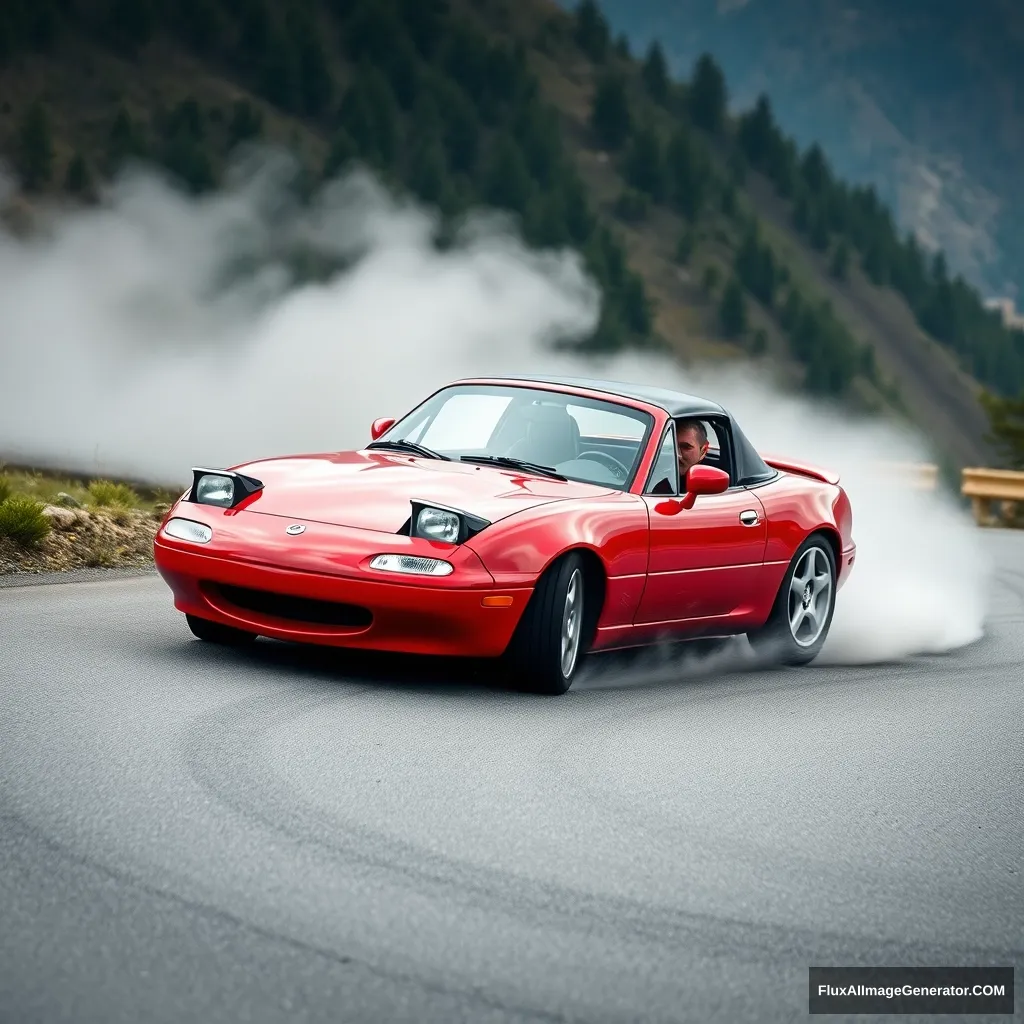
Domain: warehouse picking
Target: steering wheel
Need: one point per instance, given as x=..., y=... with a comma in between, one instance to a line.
x=608, y=461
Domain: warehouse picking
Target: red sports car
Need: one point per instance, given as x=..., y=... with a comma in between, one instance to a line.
x=524, y=519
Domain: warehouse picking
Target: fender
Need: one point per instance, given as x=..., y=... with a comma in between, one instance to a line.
x=613, y=529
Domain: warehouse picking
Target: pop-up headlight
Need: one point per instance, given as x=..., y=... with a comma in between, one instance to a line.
x=437, y=524
x=447, y=525
x=221, y=487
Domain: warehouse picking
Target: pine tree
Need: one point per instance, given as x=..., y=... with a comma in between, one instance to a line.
x=840, y=265
x=314, y=82
x=537, y=132
x=733, y=310
x=78, y=180
x=506, y=181
x=1006, y=426
x=636, y=306
x=124, y=142
x=610, y=115
x=708, y=96
x=645, y=164
x=460, y=125
x=428, y=175
x=592, y=33
x=424, y=20
x=280, y=73
x=758, y=133
x=35, y=147
x=579, y=219
x=815, y=170
x=369, y=114
x=655, y=74
x=686, y=175
x=246, y=122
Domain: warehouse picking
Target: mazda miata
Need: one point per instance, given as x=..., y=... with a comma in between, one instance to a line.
x=526, y=520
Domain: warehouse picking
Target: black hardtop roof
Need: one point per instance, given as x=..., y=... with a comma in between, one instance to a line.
x=675, y=403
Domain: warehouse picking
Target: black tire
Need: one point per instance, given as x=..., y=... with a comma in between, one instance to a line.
x=776, y=639
x=216, y=633
x=535, y=653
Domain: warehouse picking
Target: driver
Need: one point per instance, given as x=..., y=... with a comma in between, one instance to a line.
x=692, y=439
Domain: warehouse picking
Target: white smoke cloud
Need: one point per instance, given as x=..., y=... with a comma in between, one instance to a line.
x=129, y=344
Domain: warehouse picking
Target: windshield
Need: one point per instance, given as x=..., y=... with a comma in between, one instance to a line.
x=585, y=439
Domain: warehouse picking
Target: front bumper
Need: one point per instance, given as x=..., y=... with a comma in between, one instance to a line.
x=239, y=581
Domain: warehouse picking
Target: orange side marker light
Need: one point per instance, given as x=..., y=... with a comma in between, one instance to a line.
x=497, y=601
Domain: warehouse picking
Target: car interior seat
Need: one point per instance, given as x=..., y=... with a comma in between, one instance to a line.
x=552, y=436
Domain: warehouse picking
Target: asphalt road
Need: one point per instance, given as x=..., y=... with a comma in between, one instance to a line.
x=193, y=834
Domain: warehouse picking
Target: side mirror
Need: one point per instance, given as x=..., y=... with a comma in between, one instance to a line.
x=704, y=480
x=381, y=426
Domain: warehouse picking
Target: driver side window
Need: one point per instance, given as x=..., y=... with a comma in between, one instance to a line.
x=664, y=478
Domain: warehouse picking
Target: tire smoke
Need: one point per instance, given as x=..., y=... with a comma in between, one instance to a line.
x=159, y=331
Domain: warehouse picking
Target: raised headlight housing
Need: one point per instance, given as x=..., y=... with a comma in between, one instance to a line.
x=431, y=521
x=222, y=488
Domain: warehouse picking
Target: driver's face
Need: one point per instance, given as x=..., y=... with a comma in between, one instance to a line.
x=691, y=451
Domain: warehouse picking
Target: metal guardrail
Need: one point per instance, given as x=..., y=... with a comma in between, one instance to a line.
x=988, y=486
x=996, y=495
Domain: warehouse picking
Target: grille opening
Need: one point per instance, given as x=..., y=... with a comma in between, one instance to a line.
x=296, y=609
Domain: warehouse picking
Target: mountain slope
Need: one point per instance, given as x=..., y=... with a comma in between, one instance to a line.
x=924, y=98
x=681, y=218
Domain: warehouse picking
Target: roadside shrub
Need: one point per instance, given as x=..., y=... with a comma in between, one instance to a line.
x=106, y=492
x=120, y=514
x=22, y=520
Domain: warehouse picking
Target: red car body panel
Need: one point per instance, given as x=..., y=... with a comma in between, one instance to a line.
x=666, y=570
x=371, y=490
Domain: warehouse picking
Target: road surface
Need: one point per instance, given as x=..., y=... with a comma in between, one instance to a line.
x=194, y=834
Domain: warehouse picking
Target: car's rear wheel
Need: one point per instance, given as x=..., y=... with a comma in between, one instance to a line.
x=547, y=648
x=216, y=633
x=801, y=617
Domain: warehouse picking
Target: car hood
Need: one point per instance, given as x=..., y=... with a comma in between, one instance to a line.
x=373, y=490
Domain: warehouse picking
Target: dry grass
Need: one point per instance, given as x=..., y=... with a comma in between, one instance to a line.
x=80, y=538
x=54, y=523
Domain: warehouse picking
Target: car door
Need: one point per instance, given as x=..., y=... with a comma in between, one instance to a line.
x=704, y=562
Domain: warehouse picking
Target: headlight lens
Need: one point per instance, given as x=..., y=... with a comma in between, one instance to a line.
x=436, y=524
x=412, y=565
x=186, y=529
x=215, y=490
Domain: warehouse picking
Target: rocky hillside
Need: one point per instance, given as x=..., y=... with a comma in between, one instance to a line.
x=713, y=236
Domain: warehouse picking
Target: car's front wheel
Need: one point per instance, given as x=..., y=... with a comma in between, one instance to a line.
x=800, y=619
x=215, y=633
x=547, y=648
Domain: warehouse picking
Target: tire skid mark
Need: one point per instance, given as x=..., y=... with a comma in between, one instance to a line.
x=556, y=907
x=129, y=880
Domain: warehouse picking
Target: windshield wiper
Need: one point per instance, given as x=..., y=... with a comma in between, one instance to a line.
x=409, y=446
x=507, y=460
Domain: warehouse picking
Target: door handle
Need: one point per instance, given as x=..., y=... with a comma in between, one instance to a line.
x=749, y=517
